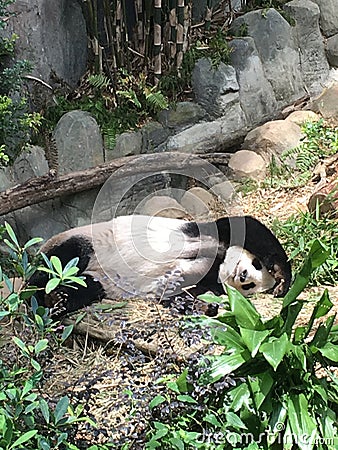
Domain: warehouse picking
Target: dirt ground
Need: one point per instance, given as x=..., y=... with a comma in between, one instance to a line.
x=112, y=364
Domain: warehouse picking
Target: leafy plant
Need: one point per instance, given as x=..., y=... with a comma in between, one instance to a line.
x=16, y=122
x=27, y=418
x=299, y=232
x=274, y=397
x=60, y=276
x=117, y=108
x=320, y=141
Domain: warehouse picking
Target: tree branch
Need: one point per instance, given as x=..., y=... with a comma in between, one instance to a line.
x=40, y=189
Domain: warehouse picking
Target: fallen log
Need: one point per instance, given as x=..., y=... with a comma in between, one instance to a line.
x=325, y=200
x=48, y=187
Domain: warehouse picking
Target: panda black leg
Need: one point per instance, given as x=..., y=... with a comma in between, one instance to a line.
x=66, y=299
x=64, y=296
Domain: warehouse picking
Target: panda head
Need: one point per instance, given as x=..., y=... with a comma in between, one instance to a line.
x=243, y=271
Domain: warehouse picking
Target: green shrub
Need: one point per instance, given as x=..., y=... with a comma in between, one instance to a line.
x=299, y=232
x=262, y=388
x=27, y=420
x=16, y=122
x=320, y=141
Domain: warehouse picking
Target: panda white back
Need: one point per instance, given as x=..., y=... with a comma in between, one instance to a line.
x=141, y=249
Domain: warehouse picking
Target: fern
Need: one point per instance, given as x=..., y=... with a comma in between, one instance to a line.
x=320, y=141
x=156, y=101
x=99, y=81
x=109, y=137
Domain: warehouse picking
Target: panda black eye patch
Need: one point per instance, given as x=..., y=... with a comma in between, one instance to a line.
x=248, y=286
x=257, y=265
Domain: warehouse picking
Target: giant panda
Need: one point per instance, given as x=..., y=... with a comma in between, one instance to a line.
x=133, y=254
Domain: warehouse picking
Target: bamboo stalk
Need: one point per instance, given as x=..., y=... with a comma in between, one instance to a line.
x=180, y=34
x=148, y=10
x=187, y=25
x=208, y=15
x=157, y=40
x=173, y=28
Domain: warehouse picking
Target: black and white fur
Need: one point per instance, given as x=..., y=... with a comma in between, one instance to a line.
x=137, y=251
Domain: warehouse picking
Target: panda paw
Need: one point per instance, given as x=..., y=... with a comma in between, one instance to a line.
x=281, y=286
x=57, y=302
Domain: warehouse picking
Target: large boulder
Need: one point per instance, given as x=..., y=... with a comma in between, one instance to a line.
x=247, y=164
x=313, y=63
x=328, y=16
x=327, y=103
x=273, y=138
x=332, y=50
x=127, y=144
x=181, y=115
x=256, y=95
x=163, y=206
x=78, y=141
x=277, y=50
x=52, y=35
x=198, y=202
x=31, y=163
x=299, y=117
x=215, y=89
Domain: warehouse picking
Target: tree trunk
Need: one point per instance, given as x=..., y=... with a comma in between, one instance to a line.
x=36, y=190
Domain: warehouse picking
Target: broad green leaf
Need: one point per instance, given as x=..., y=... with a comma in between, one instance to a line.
x=322, y=307
x=275, y=350
x=317, y=256
x=156, y=401
x=52, y=284
x=182, y=381
x=225, y=364
x=61, y=408
x=176, y=443
x=253, y=339
x=330, y=351
x=72, y=263
x=35, y=365
x=44, y=409
x=299, y=352
x=299, y=335
x=302, y=424
x=172, y=385
x=211, y=418
x=321, y=336
x=211, y=298
x=186, y=398
x=228, y=337
x=70, y=272
x=11, y=234
x=57, y=265
x=277, y=421
x=32, y=242
x=77, y=280
x=40, y=346
x=239, y=395
x=21, y=345
x=234, y=421
x=260, y=386
x=245, y=313
x=28, y=386
x=67, y=331
x=24, y=438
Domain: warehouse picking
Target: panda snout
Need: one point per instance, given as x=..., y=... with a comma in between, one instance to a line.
x=243, y=275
